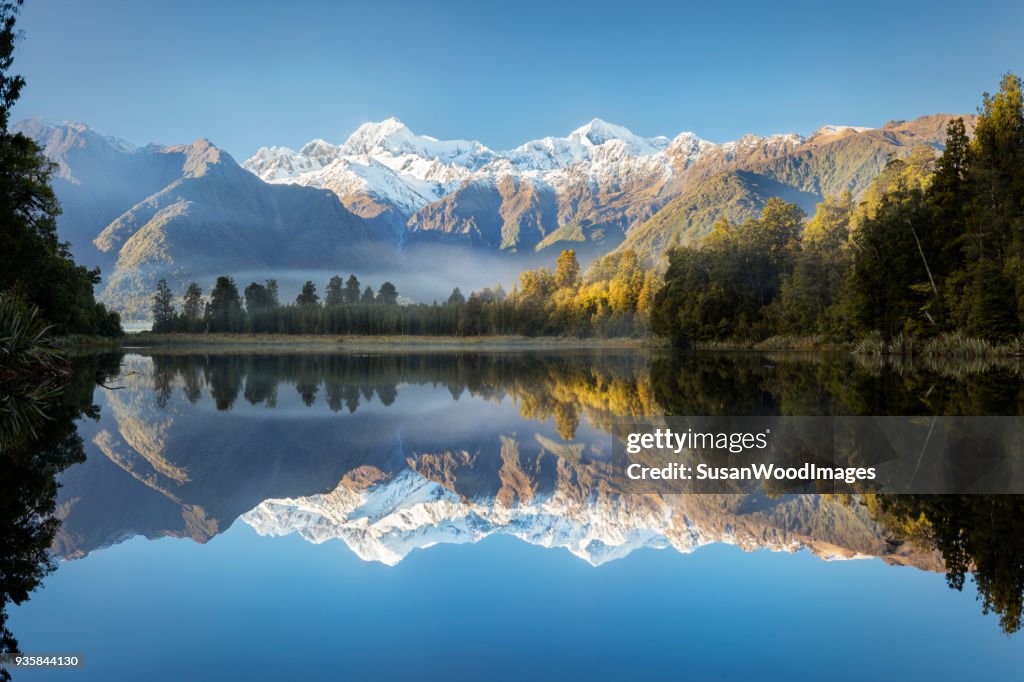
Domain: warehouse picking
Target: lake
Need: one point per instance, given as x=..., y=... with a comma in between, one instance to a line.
x=449, y=515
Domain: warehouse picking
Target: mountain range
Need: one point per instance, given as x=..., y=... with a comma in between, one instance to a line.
x=382, y=197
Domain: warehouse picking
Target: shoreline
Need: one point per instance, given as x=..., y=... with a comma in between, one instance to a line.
x=331, y=342
x=947, y=345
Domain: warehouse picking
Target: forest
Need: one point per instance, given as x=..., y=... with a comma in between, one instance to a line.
x=613, y=300
x=935, y=246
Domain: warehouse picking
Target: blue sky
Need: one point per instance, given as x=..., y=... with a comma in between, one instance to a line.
x=247, y=74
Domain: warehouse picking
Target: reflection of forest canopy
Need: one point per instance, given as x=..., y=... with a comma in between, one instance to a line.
x=779, y=384
x=978, y=534
x=30, y=460
x=603, y=386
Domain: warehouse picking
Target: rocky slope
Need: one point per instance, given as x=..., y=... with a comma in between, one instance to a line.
x=599, y=185
x=188, y=212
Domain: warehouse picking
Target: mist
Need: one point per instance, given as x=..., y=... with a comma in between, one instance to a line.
x=424, y=274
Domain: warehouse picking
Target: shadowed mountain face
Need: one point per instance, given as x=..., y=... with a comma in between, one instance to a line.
x=388, y=199
x=189, y=212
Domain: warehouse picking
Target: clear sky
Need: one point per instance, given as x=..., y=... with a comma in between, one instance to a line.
x=254, y=73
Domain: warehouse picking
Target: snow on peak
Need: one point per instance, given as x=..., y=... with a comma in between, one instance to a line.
x=598, y=142
x=599, y=131
x=836, y=129
x=388, y=161
x=374, y=137
x=392, y=138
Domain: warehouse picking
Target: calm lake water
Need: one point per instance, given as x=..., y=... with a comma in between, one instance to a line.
x=447, y=516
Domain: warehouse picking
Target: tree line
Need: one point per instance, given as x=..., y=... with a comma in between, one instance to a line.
x=936, y=245
x=612, y=301
x=36, y=267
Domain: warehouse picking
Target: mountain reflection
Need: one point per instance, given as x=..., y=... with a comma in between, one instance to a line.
x=395, y=452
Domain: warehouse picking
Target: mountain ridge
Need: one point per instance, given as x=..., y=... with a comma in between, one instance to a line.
x=386, y=194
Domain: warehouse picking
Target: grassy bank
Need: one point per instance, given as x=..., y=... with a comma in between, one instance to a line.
x=950, y=345
x=778, y=342
x=79, y=342
x=334, y=342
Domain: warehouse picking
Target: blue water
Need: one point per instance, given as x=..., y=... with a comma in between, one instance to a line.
x=226, y=603
x=243, y=607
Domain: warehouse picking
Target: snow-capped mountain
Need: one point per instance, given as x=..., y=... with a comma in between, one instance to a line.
x=384, y=160
x=598, y=181
x=598, y=188
x=388, y=161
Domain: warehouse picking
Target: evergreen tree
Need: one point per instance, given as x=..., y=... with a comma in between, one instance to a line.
x=272, y=295
x=163, y=307
x=192, y=303
x=456, y=297
x=334, y=294
x=352, y=290
x=258, y=298
x=387, y=294
x=224, y=311
x=567, y=270
x=995, y=239
x=368, y=296
x=308, y=294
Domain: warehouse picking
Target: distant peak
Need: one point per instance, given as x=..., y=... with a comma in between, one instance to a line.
x=40, y=129
x=599, y=131
x=372, y=136
x=386, y=127
x=832, y=129
x=199, y=156
x=318, y=148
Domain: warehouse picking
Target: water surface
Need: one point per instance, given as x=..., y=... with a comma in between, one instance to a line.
x=433, y=515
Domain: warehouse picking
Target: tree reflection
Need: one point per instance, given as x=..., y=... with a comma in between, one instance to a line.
x=980, y=535
x=563, y=388
x=977, y=535
x=31, y=458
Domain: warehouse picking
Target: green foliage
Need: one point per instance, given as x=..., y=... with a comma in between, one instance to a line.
x=224, y=311
x=456, y=297
x=980, y=535
x=34, y=263
x=335, y=295
x=352, y=290
x=729, y=286
x=936, y=246
x=31, y=370
x=387, y=294
x=615, y=302
x=163, y=307
x=308, y=295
